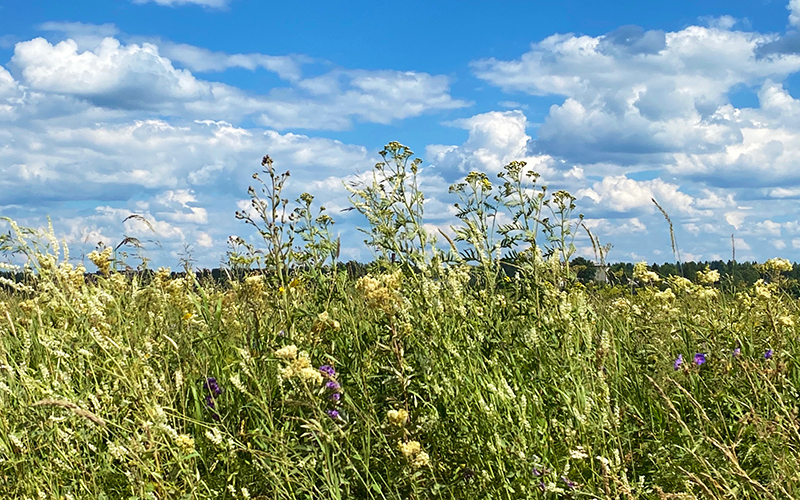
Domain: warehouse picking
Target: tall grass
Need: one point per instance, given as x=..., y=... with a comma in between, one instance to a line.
x=455, y=379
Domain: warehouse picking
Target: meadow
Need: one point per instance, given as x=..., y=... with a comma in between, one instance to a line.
x=475, y=369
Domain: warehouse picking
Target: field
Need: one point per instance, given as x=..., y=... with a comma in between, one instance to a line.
x=439, y=374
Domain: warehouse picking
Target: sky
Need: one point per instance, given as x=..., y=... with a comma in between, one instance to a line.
x=164, y=109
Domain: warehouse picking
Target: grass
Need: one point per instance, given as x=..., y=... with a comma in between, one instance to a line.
x=454, y=382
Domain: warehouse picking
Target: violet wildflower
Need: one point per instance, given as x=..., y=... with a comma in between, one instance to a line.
x=210, y=402
x=542, y=486
x=768, y=354
x=737, y=352
x=327, y=370
x=570, y=484
x=335, y=396
x=678, y=362
x=699, y=358
x=334, y=414
x=333, y=385
x=211, y=385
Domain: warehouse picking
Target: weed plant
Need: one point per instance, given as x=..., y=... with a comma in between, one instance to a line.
x=439, y=375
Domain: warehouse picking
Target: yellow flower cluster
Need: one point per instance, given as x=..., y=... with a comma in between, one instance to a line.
x=298, y=365
x=397, y=417
x=708, y=277
x=186, y=443
x=102, y=260
x=762, y=290
x=641, y=273
x=665, y=296
x=413, y=452
x=778, y=265
x=288, y=352
x=382, y=293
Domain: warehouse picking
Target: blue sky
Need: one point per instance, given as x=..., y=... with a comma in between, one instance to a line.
x=164, y=108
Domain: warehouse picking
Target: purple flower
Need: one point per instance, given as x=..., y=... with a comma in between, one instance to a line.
x=737, y=352
x=282, y=333
x=211, y=385
x=327, y=370
x=768, y=354
x=334, y=414
x=678, y=362
x=210, y=402
x=335, y=396
x=333, y=385
x=699, y=358
x=215, y=416
x=570, y=484
x=542, y=486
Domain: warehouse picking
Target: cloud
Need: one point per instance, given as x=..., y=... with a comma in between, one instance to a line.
x=198, y=60
x=495, y=139
x=794, y=12
x=128, y=77
x=635, y=96
x=333, y=100
x=623, y=195
x=132, y=76
x=766, y=154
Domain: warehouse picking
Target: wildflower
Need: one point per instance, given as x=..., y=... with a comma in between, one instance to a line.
x=327, y=370
x=778, y=265
x=414, y=453
x=707, y=277
x=578, y=453
x=332, y=385
x=641, y=273
x=211, y=385
x=334, y=414
x=699, y=358
x=737, y=352
x=335, y=396
x=678, y=362
x=214, y=435
x=210, y=402
x=186, y=443
x=397, y=417
x=287, y=352
x=570, y=484
x=311, y=375
x=768, y=354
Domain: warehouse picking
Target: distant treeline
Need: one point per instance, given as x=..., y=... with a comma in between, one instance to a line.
x=741, y=273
